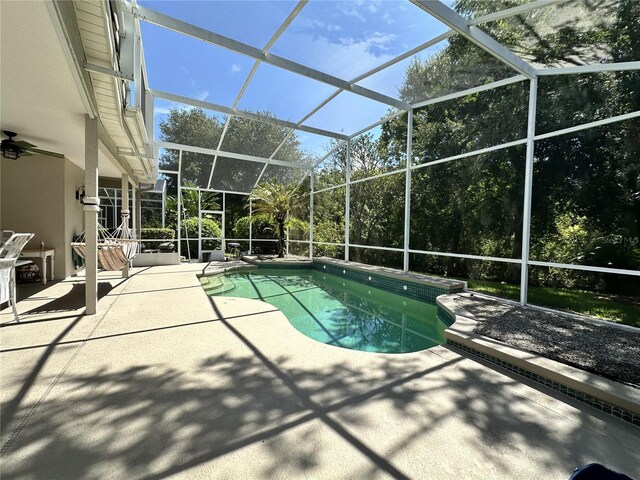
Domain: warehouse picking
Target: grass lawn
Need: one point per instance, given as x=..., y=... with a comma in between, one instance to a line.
x=576, y=301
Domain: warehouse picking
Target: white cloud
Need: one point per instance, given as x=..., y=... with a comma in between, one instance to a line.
x=354, y=8
x=235, y=68
x=202, y=95
x=166, y=109
x=308, y=24
x=374, y=42
x=353, y=12
x=344, y=57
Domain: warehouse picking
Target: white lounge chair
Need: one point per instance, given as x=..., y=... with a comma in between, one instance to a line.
x=9, y=254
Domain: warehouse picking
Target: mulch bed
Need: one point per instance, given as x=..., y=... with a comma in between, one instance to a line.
x=608, y=351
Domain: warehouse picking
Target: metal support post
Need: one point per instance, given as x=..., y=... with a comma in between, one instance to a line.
x=199, y=225
x=224, y=221
x=115, y=208
x=311, y=179
x=164, y=208
x=138, y=209
x=124, y=213
x=134, y=214
x=179, y=204
x=528, y=187
x=347, y=202
x=407, y=190
x=91, y=211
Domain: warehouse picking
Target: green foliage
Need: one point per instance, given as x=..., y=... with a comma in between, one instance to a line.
x=276, y=200
x=578, y=301
x=158, y=233
x=585, y=207
x=189, y=203
x=195, y=127
x=210, y=228
x=264, y=226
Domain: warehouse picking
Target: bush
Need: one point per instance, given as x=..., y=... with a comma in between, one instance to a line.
x=158, y=233
x=210, y=228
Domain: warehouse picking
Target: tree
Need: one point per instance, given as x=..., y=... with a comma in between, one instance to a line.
x=192, y=201
x=210, y=229
x=196, y=128
x=276, y=200
x=583, y=182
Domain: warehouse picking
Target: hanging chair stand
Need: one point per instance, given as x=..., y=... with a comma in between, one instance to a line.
x=115, y=250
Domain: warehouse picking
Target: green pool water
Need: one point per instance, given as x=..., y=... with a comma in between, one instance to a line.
x=337, y=311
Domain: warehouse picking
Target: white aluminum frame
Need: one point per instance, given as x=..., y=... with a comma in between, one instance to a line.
x=528, y=188
x=458, y=25
x=407, y=191
x=347, y=203
x=530, y=140
x=218, y=40
x=242, y=113
x=247, y=81
x=238, y=156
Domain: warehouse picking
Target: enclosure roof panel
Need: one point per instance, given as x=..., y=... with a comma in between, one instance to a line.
x=251, y=22
x=185, y=66
x=564, y=33
x=346, y=38
x=283, y=93
x=303, y=73
x=348, y=113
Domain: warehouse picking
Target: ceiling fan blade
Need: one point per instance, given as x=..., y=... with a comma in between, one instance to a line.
x=23, y=144
x=26, y=153
x=45, y=152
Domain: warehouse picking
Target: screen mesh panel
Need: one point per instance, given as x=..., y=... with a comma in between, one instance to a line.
x=235, y=175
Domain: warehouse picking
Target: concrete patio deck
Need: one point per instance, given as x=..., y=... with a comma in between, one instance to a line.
x=164, y=383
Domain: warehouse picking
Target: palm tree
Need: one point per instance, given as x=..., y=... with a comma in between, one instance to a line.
x=272, y=198
x=189, y=203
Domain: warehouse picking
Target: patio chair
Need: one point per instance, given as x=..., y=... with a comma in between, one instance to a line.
x=9, y=254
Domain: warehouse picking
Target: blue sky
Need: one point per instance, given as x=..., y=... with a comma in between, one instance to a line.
x=342, y=38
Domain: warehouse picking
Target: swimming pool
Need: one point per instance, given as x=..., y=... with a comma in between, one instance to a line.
x=337, y=311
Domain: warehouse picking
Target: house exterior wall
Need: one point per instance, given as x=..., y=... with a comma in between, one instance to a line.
x=73, y=213
x=38, y=196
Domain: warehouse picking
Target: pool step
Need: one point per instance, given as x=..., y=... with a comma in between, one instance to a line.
x=215, y=285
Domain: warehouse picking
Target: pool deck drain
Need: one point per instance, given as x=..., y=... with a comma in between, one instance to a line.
x=172, y=384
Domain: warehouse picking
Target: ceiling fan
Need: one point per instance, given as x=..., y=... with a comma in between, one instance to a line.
x=13, y=150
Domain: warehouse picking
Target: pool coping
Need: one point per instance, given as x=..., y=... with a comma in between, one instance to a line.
x=410, y=277
x=608, y=396
x=579, y=384
x=396, y=274
x=293, y=261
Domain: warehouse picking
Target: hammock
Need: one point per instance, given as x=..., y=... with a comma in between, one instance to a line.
x=114, y=250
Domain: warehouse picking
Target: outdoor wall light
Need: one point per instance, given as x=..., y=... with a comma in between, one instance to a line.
x=80, y=194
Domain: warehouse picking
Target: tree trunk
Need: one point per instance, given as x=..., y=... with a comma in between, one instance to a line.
x=281, y=239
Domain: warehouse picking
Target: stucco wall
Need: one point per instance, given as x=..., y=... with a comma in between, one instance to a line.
x=74, y=216
x=38, y=197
